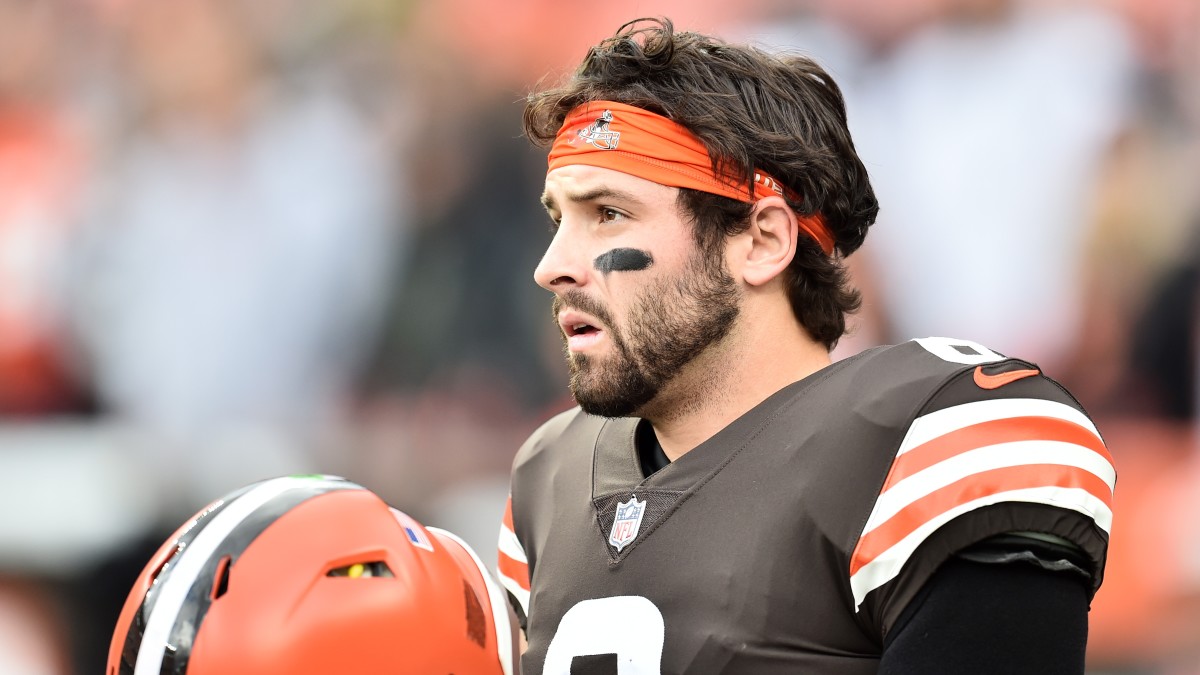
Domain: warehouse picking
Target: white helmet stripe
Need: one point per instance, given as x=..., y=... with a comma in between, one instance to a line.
x=190, y=562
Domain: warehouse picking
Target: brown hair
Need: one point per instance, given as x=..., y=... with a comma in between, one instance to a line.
x=779, y=114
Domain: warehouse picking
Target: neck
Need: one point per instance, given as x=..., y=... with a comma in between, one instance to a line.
x=756, y=360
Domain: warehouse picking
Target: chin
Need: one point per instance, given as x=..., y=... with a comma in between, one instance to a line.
x=627, y=402
x=605, y=407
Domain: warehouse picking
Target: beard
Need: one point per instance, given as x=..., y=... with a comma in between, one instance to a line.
x=671, y=323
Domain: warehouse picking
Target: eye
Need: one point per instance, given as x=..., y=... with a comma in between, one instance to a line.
x=608, y=214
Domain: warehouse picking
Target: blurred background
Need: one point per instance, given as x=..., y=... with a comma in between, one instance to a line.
x=244, y=238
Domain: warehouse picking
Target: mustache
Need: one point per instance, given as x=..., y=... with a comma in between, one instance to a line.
x=581, y=302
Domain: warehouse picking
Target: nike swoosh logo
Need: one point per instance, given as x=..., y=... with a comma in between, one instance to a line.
x=998, y=380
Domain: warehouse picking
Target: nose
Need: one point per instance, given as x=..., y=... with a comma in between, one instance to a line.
x=563, y=266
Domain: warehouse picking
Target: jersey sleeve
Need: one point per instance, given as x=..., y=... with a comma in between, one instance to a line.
x=998, y=448
x=529, y=498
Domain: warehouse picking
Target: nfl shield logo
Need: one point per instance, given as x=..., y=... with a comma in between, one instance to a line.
x=628, y=522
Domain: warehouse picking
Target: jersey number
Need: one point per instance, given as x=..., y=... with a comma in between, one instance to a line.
x=622, y=635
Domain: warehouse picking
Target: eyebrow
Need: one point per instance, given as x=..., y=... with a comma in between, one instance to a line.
x=597, y=193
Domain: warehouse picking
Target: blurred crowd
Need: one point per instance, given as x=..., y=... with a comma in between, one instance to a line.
x=246, y=238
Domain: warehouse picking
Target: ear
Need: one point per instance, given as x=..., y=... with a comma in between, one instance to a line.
x=770, y=241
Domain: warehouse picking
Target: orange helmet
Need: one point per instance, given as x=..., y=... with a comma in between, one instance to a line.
x=311, y=574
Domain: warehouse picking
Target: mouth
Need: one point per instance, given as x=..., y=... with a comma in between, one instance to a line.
x=581, y=331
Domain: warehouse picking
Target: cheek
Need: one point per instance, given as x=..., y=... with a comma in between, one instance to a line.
x=640, y=297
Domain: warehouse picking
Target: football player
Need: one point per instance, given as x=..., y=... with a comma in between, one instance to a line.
x=312, y=574
x=725, y=499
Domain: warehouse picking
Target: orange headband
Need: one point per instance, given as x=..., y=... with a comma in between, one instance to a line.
x=631, y=140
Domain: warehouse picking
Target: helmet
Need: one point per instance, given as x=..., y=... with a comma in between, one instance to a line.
x=311, y=574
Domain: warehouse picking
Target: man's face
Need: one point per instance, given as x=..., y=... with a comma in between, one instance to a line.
x=635, y=297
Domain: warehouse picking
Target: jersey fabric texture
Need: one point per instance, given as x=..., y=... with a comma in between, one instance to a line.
x=793, y=539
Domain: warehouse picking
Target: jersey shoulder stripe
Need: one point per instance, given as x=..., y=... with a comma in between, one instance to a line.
x=977, y=454
x=512, y=565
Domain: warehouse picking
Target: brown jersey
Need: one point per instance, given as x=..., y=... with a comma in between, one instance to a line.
x=792, y=539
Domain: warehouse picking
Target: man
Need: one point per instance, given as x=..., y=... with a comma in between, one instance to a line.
x=312, y=574
x=726, y=499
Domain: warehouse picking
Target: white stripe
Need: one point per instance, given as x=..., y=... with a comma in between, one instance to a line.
x=192, y=559
x=511, y=546
x=504, y=630
x=1001, y=455
x=513, y=587
x=887, y=565
x=929, y=427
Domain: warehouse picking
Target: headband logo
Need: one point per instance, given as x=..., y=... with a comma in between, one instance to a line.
x=598, y=134
x=771, y=183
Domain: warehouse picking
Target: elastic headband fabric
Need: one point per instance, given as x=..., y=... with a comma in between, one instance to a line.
x=631, y=140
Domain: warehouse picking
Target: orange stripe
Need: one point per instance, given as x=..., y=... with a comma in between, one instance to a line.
x=506, y=565
x=513, y=569
x=990, y=433
x=872, y=544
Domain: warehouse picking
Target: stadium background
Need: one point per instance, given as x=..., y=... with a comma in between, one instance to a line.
x=241, y=239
